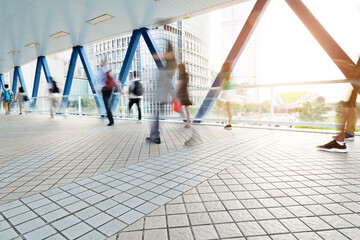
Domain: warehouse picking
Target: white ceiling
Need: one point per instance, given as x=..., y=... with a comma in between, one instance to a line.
x=26, y=21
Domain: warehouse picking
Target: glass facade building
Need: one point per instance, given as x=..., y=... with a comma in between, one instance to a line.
x=189, y=40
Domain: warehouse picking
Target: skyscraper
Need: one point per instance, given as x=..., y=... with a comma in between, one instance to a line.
x=189, y=38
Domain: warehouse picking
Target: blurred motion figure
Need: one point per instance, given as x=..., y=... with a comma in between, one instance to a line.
x=163, y=89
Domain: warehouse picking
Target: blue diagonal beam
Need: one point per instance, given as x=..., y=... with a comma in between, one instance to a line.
x=69, y=78
x=90, y=77
x=41, y=62
x=22, y=80
x=129, y=57
x=46, y=68
x=15, y=80
x=326, y=41
x=234, y=54
x=18, y=74
x=159, y=60
x=36, y=83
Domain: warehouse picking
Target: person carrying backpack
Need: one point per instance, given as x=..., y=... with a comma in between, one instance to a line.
x=135, y=94
x=107, y=84
x=7, y=96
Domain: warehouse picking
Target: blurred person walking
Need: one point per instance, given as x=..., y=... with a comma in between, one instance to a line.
x=349, y=134
x=7, y=97
x=181, y=92
x=107, y=83
x=347, y=118
x=23, y=99
x=163, y=89
x=135, y=94
x=226, y=94
x=54, y=94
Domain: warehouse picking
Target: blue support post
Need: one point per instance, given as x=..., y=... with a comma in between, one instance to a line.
x=15, y=80
x=18, y=74
x=69, y=78
x=129, y=57
x=234, y=54
x=90, y=77
x=2, y=81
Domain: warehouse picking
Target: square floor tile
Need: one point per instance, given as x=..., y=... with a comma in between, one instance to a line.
x=205, y=232
x=179, y=220
x=251, y=228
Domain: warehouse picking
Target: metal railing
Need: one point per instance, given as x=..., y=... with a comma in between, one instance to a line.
x=246, y=112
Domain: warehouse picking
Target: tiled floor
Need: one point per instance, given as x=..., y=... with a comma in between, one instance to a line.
x=239, y=184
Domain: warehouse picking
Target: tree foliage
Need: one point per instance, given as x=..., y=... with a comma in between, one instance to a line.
x=312, y=111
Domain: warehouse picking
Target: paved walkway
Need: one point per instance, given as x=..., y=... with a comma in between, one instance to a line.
x=75, y=178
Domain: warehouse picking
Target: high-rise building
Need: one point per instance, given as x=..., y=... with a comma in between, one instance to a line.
x=189, y=39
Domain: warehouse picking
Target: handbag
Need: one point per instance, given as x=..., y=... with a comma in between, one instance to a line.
x=176, y=105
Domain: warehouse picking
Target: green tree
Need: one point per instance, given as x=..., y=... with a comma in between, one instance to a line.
x=219, y=108
x=88, y=104
x=265, y=106
x=312, y=111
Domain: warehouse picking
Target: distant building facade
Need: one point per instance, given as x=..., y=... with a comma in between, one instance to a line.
x=189, y=39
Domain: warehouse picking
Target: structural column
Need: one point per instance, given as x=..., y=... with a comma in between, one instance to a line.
x=79, y=50
x=41, y=61
x=18, y=74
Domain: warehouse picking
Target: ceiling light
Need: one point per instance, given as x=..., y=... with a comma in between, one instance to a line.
x=59, y=34
x=32, y=45
x=100, y=19
x=156, y=0
x=14, y=52
x=187, y=17
x=2, y=60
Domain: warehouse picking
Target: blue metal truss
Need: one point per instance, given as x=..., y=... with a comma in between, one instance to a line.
x=2, y=81
x=79, y=50
x=18, y=74
x=129, y=57
x=41, y=61
x=160, y=62
x=234, y=54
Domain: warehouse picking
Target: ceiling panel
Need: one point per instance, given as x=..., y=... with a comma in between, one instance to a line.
x=26, y=21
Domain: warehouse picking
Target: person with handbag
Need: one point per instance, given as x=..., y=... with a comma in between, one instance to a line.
x=23, y=99
x=181, y=92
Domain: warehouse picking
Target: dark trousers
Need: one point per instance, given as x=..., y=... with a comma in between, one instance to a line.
x=137, y=101
x=155, y=126
x=107, y=93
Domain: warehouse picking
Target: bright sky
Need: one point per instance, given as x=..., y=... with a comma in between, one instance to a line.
x=287, y=52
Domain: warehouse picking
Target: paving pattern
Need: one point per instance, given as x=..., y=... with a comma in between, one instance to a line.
x=74, y=178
